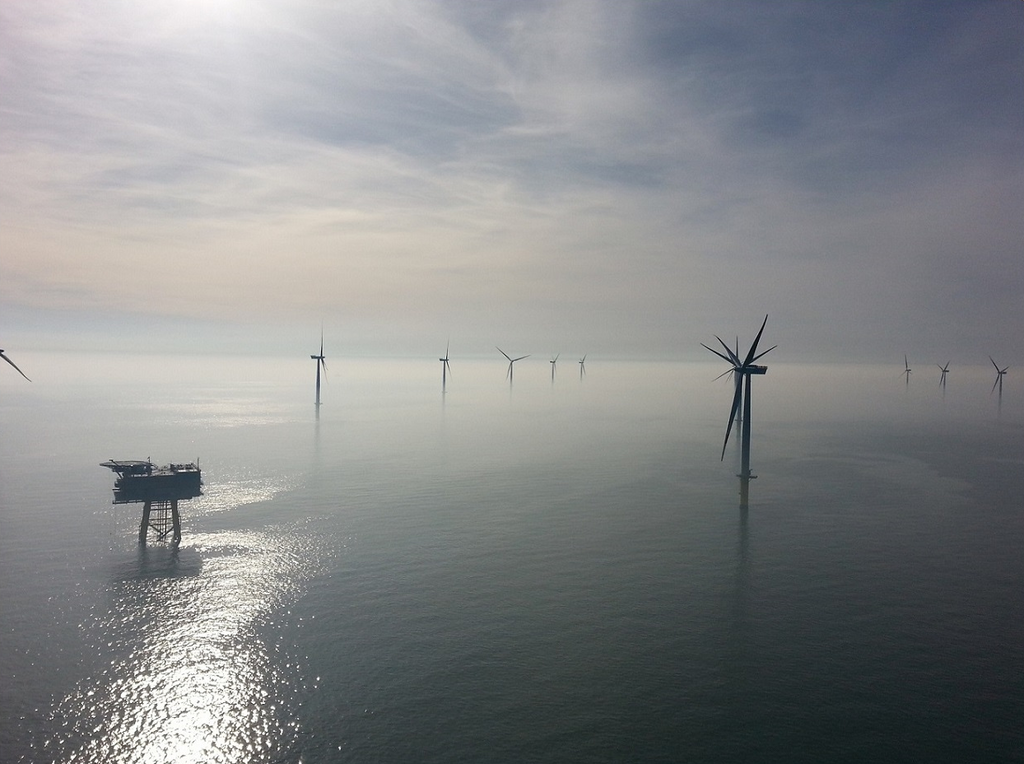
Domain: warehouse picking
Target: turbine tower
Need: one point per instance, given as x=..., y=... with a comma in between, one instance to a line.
x=742, y=370
x=12, y=363
x=1000, y=373
x=553, y=362
x=320, y=361
x=445, y=368
x=510, y=362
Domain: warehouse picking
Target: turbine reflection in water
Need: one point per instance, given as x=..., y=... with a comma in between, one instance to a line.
x=195, y=680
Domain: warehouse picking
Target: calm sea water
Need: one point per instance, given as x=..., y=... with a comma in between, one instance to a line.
x=551, y=572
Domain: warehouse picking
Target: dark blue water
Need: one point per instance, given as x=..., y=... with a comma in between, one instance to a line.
x=550, y=572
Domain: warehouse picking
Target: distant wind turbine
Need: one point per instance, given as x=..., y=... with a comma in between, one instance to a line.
x=320, y=361
x=510, y=362
x=583, y=368
x=743, y=369
x=445, y=368
x=906, y=372
x=553, y=362
x=1000, y=373
x=945, y=371
x=12, y=363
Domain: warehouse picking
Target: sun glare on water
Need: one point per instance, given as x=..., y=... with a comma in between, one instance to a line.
x=192, y=680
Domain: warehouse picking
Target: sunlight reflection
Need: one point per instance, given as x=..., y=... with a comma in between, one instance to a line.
x=194, y=681
x=228, y=494
x=220, y=411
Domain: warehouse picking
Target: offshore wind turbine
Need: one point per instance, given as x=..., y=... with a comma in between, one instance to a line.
x=742, y=370
x=510, y=362
x=945, y=371
x=12, y=363
x=445, y=368
x=320, y=361
x=1000, y=373
x=553, y=362
x=583, y=368
x=906, y=371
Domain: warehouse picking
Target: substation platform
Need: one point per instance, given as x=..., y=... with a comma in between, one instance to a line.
x=158, y=489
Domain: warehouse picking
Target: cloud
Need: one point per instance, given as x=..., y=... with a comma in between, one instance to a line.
x=622, y=171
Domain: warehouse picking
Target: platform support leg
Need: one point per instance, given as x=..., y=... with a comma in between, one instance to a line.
x=144, y=527
x=176, y=520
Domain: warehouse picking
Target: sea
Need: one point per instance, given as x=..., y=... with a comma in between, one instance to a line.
x=556, y=569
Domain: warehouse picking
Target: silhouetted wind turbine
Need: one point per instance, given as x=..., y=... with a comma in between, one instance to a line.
x=742, y=369
x=320, y=361
x=12, y=363
x=510, y=362
x=553, y=362
x=583, y=368
x=1000, y=373
x=906, y=372
x=445, y=368
x=945, y=371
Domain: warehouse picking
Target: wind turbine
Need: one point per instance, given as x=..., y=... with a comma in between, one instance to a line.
x=742, y=369
x=1000, y=373
x=906, y=372
x=510, y=362
x=445, y=368
x=945, y=371
x=12, y=363
x=320, y=361
x=583, y=368
x=553, y=362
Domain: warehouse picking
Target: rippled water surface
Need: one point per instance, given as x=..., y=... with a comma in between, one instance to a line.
x=555, y=571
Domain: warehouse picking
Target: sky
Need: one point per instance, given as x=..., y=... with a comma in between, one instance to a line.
x=607, y=177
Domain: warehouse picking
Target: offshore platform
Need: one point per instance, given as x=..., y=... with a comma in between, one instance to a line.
x=158, y=489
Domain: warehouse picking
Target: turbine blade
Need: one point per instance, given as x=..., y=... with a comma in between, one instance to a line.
x=995, y=384
x=761, y=355
x=520, y=358
x=732, y=412
x=12, y=363
x=727, y=360
x=727, y=371
x=753, y=348
x=994, y=363
x=503, y=353
x=733, y=357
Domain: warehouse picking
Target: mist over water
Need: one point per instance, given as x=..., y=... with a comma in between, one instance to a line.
x=544, y=571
